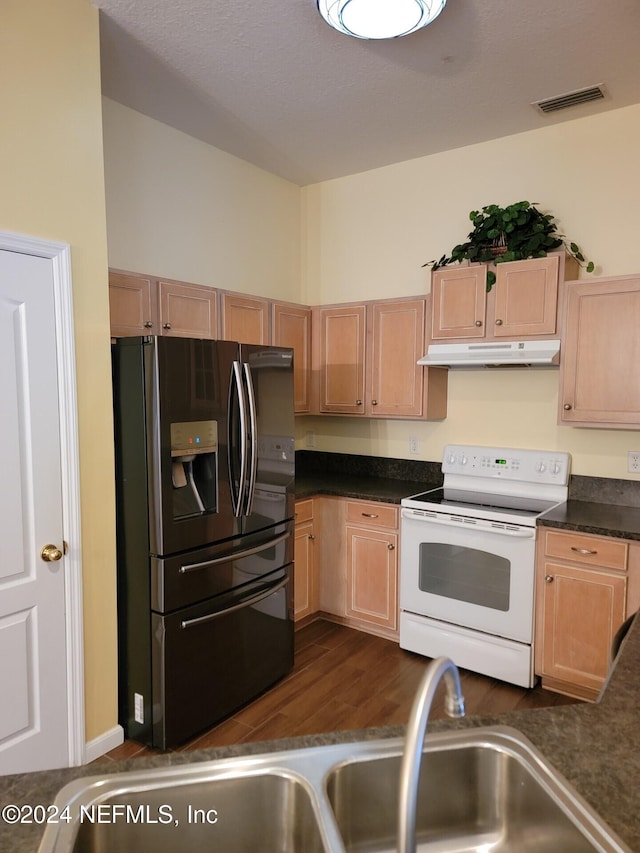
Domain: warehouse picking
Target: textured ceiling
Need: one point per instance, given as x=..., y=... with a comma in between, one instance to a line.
x=271, y=83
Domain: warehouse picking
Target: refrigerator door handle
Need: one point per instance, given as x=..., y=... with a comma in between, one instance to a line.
x=253, y=443
x=237, y=499
x=189, y=623
x=249, y=552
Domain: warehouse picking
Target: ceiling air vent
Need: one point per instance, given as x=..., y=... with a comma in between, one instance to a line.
x=570, y=99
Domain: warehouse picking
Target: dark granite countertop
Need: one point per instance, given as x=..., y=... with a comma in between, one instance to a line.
x=383, y=489
x=592, y=745
x=620, y=522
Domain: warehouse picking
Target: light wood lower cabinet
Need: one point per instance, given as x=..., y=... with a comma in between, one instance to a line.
x=582, y=599
x=357, y=563
x=305, y=602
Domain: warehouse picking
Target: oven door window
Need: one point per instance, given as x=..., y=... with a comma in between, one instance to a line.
x=465, y=574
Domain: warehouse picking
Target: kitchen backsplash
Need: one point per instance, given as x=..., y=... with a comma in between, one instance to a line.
x=310, y=462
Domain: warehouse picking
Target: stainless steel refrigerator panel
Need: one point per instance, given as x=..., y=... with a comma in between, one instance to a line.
x=210, y=659
x=187, y=382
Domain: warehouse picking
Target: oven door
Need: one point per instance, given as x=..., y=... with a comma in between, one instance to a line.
x=469, y=572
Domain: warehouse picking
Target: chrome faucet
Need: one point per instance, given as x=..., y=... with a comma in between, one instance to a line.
x=416, y=728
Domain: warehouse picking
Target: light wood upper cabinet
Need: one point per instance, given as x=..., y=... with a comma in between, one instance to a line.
x=291, y=327
x=342, y=334
x=526, y=298
x=367, y=361
x=395, y=383
x=523, y=302
x=599, y=375
x=133, y=305
x=187, y=310
x=459, y=302
x=581, y=603
x=245, y=319
x=141, y=305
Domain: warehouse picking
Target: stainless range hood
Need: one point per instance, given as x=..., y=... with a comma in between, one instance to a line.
x=493, y=354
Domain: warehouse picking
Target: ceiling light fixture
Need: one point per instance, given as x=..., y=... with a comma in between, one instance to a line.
x=379, y=19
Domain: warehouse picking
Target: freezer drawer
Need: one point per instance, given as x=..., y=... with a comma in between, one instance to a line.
x=178, y=582
x=210, y=659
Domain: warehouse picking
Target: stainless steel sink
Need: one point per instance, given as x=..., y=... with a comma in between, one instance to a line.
x=481, y=790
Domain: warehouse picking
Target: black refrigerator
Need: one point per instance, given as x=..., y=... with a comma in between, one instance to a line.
x=204, y=439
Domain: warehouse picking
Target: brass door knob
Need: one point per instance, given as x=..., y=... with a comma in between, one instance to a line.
x=51, y=554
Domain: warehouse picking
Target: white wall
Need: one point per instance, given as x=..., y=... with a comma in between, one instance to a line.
x=181, y=209
x=367, y=235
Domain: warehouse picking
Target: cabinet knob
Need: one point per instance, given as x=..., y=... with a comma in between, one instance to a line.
x=148, y=324
x=358, y=402
x=391, y=546
x=166, y=325
x=548, y=578
x=312, y=536
x=567, y=407
x=498, y=322
x=478, y=322
x=374, y=402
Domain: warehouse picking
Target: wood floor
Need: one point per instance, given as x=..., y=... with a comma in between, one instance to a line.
x=345, y=679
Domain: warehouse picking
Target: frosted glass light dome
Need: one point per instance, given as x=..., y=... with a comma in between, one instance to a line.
x=379, y=19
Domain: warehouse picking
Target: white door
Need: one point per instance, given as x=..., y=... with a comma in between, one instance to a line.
x=34, y=707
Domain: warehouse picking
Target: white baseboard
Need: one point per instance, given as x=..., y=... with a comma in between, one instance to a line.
x=105, y=742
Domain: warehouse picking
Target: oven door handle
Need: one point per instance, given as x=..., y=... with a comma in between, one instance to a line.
x=520, y=533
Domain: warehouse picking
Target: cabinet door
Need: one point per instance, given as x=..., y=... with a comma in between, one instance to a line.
x=459, y=302
x=133, y=305
x=582, y=610
x=372, y=576
x=187, y=310
x=342, y=354
x=398, y=341
x=245, y=319
x=599, y=376
x=292, y=328
x=304, y=595
x=526, y=298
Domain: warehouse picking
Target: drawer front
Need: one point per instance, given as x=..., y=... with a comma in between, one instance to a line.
x=304, y=511
x=375, y=514
x=587, y=550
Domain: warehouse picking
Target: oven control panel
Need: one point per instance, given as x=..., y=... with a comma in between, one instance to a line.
x=531, y=466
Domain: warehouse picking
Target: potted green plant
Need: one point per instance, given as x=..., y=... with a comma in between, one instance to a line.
x=511, y=233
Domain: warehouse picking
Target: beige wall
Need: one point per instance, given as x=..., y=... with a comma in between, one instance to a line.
x=53, y=187
x=366, y=236
x=181, y=209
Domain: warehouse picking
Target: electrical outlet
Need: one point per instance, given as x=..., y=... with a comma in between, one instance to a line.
x=414, y=444
x=633, y=461
x=310, y=438
x=138, y=708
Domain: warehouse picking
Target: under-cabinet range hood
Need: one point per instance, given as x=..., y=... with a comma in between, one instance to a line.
x=493, y=354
